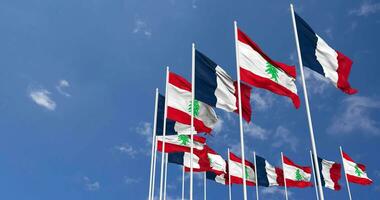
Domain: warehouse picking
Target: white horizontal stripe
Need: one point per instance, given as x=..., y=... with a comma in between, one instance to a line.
x=350, y=169
x=236, y=170
x=187, y=158
x=225, y=98
x=173, y=139
x=328, y=58
x=183, y=129
x=220, y=179
x=326, y=167
x=271, y=174
x=290, y=173
x=217, y=162
x=252, y=61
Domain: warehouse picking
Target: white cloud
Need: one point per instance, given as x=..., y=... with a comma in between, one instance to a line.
x=129, y=180
x=142, y=27
x=366, y=8
x=41, y=97
x=262, y=100
x=255, y=131
x=356, y=115
x=91, y=185
x=62, y=84
x=218, y=126
x=127, y=149
x=283, y=137
x=194, y=4
x=274, y=190
x=145, y=129
x=315, y=82
x=329, y=33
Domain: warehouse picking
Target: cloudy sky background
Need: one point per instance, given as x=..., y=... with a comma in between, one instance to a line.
x=77, y=88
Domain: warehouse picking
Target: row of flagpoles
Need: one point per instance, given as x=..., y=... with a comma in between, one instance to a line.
x=188, y=107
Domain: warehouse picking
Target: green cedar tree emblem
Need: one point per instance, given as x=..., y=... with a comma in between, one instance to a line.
x=246, y=173
x=197, y=106
x=183, y=139
x=299, y=177
x=358, y=171
x=272, y=71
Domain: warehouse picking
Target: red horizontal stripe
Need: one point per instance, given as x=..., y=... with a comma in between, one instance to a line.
x=185, y=118
x=299, y=184
x=179, y=81
x=172, y=148
x=237, y=180
x=280, y=176
x=233, y=157
x=358, y=180
x=289, y=162
x=344, y=68
x=347, y=157
x=268, y=84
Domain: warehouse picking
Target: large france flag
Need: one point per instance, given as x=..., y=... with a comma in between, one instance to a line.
x=215, y=87
x=320, y=57
x=268, y=175
x=330, y=172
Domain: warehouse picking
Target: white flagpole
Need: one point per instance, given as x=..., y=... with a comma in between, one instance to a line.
x=164, y=134
x=345, y=175
x=257, y=183
x=283, y=169
x=315, y=180
x=152, y=160
x=229, y=176
x=314, y=148
x=204, y=187
x=183, y=182
x=192, y=117
x=166, y=174
x=154, y=166
x=240, y=112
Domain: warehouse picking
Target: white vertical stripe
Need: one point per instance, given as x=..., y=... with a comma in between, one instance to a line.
x=328, y=58
x=186, y=160
x=225, y=98
x=326, y=167
x=271, y=174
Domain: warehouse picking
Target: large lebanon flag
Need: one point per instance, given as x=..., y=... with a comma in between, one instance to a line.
x=296, y=175
x=330, y=172
x=258, y=70
x=355, y=172
x=321, y=58
x=236, y=173
x=214, y=86
x=180, y=105
x=180, y=143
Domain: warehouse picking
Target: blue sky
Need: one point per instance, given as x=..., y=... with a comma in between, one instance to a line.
x=77, y=88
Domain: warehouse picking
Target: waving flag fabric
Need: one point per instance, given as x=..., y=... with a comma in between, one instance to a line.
x=180, y=143
x=267, y=175
x=216, y=88
x=180, y=103
x=222, y=178
x=258, y=70
x=215, y=162
x=330, y=172
x=356, y=172
x=321, y=58
x=236, y=173
x=184, y=159
x=296, y=175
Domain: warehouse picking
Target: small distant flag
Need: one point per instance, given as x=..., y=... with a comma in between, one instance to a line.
x=180, y=143
x=184, y=159
x=180, y=105
x=222, y=178
x=296, y=175
x=258, y=70
x=321, y=58
x=267, y=175
x=216, y=88
x=330, y=172
x=215, y=162
x=356, y=173
x=236, y=173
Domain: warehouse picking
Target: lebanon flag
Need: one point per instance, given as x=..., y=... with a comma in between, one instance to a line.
x=258, y=70
x=267, y=175
x=215, y=162
x=330, y=172
x=296, y=175
x=179, y=105
x=222, y=178
x=180, y=143
x=184, y=159
x=355, y=172
x=216, y=88
x=236, y=173
x=321, y=58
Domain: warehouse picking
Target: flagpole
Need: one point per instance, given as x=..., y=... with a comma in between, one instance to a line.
x=345, y=175
x=151, y=183
x=192, y=117
x=204, y=187
x=164, y=133
x=257, y=183
x=315, y=180
x=166, y=174
x=283, y=169
x=154, y=165
x=313, y=145
x=240, y=112
x=183, y=182
x=229, y=176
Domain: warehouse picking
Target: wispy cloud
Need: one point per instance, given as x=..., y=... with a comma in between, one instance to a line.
x=145, y=129
x=262, y=100
x=142, y=28
x=316, y=83
x=42, y=98
x=127, y=149
x=355, y=114
x=218, y=126
x=283, y=137
x=274, y=190
x=366, y=8
x=62, y=85
x=194, y=4
x=130, y=180
x=91, y=185
x=256, y=131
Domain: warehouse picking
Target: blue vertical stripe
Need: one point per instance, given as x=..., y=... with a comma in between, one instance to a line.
x=262, y=177
x=205, y=79
x=320, y=170
x=176, y=158
x=308, y=44
x=160, y=119
x=210, y=175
